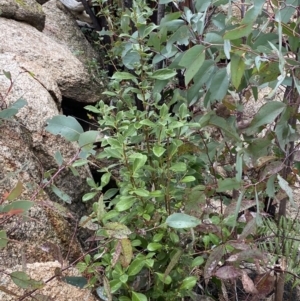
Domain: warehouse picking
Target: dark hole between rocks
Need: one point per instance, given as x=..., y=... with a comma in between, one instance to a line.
x=71, y=107
x=74, y=108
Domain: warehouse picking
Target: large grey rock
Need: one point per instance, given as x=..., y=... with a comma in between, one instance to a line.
x=28, y=11
x=71, y=36
x=26, y=152
x=54, y=65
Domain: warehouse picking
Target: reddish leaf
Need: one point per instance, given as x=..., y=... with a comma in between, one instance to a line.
x=248, y=284
x=208, y=228
x=247, y=255
x=228, y=272
x=264, y=283
x=54, y=250
x=14, y=212
x=233, y=258
x=212, y=262
x=117, y=254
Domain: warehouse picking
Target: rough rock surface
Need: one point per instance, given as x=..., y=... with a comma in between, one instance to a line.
x=55, y=290
x=59, y=17
x=28, y=11
x=53, y=65
x=42, y=71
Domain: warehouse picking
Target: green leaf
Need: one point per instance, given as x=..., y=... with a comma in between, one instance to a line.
x=153, y=246
x=130, y=59
x=124, y=279
x=110, y=193
x=252, y=13
x=19, y=104
x=3, y=239
x=58, y=158
x=117, y=230
x=7, y=74
x=141, y=192
x=16, y=192
x=66, y=126
x=123, y=76
x=62, y=195
x=88, y=196
x=287, y=11
x=110, y=215
x=163, y=279
x=135, y=267
x=173, y=262
x=80, y=162
x=115, y=285
x=92, y=109
x=181, y=221
x=227, y=48
x=180, y=36
x=148, y=123
x=125, y=203
x=101, y=293
x=158, y=150
x=237, y=69
x=224, y=125
x=270, y=191
x=79, y=281
x=285, y=186
x=197, y=261
x=228, y=184
x=88, y=137
x=22, y=280
x=163, y=74
x=114, y=153
x=266, y=114
x=241, y=31
x=105, y=178
x=138, y=297
x=219, y=85
x=139, y=161
x=188, y=179
x=192, y=60
x=239, y=166
x=148, y=30
x=179, y=167
x=158, y=237
x=18, y=205
x=8, y=113
x=202, y=77
x=188, y=283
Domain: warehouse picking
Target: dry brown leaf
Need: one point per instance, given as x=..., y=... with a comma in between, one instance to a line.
x=248, y=284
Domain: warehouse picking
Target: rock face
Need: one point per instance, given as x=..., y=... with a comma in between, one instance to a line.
x=41, y=68
x=59, y=17
x=55, y=289
x=54, y=66
x=28, y=11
